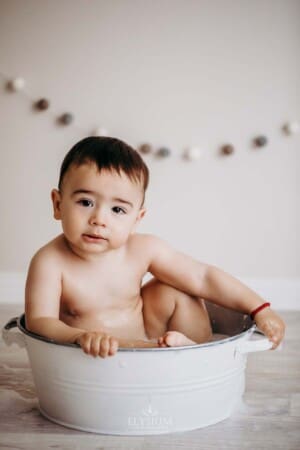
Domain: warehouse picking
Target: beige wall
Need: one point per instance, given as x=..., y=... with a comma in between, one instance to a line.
x=175, y=73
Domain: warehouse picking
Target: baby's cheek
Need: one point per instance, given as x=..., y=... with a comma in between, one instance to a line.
x=122, y=234
x=117, y=241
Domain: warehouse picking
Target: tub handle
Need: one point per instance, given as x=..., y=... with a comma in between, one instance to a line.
x=10, y=337
x=256, y=345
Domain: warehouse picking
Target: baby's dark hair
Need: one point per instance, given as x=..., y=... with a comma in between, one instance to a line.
x=107, y=153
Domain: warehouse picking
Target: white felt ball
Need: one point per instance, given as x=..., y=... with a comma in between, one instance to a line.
x=193, y=153
x=292, y=127
x=17, y=84
x=100, y=131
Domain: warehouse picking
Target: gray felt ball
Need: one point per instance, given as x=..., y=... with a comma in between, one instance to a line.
x=163, y=152
x=66, y=118
x=260, y=141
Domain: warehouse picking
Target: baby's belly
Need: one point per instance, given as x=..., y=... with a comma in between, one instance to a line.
x=123, y=323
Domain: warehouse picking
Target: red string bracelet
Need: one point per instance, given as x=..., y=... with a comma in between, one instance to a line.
x=264, y=305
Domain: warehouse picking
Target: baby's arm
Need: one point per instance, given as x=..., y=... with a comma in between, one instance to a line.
x=225, y=290
x=42, y=304
x=42, y=299
x=209, y=282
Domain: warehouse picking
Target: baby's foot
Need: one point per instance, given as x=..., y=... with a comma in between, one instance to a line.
x=174, y=339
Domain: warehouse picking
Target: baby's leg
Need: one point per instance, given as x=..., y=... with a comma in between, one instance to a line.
x=174, y=317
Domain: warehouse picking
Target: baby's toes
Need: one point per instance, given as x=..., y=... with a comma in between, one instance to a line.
x=161, y=341
x=175, y=339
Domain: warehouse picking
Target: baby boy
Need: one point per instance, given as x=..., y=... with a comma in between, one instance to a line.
x=85, y=286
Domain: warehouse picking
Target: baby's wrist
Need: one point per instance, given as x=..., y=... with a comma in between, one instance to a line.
x=258, y=309
x=77, y=337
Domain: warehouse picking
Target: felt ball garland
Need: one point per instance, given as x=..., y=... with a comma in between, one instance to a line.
x=145, y=149
x=42, y=104
x=291, y=127
x=260, y=141
x=227, y=149
x=100, y=131
x=66, y=119
x=17, y=84
x=192, y=153
x=163, y=152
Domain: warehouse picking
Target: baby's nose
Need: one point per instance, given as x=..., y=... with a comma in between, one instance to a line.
x=98, y=217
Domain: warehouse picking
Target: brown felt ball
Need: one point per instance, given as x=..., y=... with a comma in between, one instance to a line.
x=145, y=149
x=42, y=104
x=227, y=149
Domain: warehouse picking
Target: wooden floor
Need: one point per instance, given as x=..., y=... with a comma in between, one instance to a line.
x=268, y=419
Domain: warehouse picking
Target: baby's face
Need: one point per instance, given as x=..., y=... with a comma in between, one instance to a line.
x=98, y=210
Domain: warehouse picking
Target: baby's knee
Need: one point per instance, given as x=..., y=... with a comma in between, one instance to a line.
x=158, y=299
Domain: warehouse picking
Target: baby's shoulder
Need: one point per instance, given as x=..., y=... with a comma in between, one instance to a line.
x=139, y=239
x=144, y=243
x=51, y=253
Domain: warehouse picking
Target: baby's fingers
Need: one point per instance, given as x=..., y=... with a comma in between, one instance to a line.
x=95, y=345
x=272, y=326
x=275, y=340
x=108, y=346
x=104, y=346
x=85, y=343
x=114, y=345
x=275, y=336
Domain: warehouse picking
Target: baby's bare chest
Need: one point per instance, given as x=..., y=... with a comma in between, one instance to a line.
x=87, y=290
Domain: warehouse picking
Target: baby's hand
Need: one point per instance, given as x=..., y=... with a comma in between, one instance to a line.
x=271, y=325
x=97, y=344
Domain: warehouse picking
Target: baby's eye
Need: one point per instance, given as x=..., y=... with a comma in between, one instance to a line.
x=118, y=210
x=85, y=202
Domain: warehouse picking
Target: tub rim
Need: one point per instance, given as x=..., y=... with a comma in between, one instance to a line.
x=19, y=321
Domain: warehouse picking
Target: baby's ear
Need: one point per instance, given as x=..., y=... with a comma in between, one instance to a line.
x=56, y=199
x=141, y=214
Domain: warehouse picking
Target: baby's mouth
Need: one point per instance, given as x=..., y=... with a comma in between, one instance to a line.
x=96, y=237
